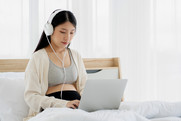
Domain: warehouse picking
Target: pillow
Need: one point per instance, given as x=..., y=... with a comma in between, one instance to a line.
x=12, y=75
x=12, y=104
x=153, y=109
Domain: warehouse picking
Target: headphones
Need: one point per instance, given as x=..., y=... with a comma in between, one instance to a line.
x=48, y=28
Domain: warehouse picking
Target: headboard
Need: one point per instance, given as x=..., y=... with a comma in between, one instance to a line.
x=19, y=65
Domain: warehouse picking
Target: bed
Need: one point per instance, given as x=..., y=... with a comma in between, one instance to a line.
x=13, y=107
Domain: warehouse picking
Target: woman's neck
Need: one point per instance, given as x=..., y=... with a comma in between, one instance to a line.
x=57, y=50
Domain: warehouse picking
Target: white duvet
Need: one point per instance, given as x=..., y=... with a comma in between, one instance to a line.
x=65, y=114
x=128, y=111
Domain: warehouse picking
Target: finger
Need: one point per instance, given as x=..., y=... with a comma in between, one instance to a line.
x=76, y=105
x=77, y=101
x=72, y=106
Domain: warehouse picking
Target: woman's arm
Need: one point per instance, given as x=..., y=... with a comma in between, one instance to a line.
x=83, y=76
x=34, y=96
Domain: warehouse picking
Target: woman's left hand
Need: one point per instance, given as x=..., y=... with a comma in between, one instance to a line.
x=73, y=104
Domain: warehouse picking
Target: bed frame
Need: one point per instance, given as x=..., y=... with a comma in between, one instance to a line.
x=19, y=65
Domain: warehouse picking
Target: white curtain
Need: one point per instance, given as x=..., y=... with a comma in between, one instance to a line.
x=145, y=34
x=147, y=38
x=14, y=28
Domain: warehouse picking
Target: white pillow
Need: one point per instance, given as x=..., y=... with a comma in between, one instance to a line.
x=12, y=75
x=12, y=104
x=153, y=109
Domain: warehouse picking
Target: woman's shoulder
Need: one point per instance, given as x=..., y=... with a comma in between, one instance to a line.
x=40, y=51
x=39, y=54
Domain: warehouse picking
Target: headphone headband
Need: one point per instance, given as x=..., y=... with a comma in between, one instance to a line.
x=53, y=15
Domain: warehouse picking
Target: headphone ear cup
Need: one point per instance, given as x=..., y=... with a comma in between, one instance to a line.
x=48, y=29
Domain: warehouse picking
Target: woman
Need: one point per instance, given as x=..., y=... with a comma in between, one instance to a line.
x=55, y=75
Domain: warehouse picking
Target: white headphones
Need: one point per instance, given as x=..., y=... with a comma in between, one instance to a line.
x=48, y=28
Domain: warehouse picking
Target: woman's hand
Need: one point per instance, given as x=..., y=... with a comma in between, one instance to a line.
x=73, y=104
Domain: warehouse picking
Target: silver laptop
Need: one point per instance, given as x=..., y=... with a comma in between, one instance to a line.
x=102, y=94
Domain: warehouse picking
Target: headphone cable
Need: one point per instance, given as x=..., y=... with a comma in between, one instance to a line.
x=62, y=62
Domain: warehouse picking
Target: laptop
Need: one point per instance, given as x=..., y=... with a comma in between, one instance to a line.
x=102, y=94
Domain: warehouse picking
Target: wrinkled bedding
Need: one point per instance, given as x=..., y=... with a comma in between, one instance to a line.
x=128, y=111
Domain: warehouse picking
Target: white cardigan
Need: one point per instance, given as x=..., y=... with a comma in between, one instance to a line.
x=36, y=78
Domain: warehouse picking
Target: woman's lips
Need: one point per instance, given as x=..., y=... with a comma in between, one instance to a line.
x=65, y=43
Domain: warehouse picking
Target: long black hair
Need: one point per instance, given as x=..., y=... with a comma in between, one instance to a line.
x=60, y=18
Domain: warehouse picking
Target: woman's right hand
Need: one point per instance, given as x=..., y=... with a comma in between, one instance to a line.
x=73, y=104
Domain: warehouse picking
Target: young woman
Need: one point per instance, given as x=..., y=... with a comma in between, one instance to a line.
x=55, y=75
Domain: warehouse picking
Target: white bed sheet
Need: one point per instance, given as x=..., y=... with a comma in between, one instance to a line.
x=142, y=111
x=153, y=109
x=167, y=119
x=65, y=114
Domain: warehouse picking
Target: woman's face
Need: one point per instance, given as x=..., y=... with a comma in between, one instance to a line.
x=62, y=35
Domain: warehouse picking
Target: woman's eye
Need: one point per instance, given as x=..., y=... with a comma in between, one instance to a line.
x=63, y=32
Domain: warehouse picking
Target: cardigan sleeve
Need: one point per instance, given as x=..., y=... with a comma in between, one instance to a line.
x=33, y=90
x=83, y=77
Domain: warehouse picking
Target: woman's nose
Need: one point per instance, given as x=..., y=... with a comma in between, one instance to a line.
x=67, y=37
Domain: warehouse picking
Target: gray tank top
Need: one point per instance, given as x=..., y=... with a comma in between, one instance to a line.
x=56, y=74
